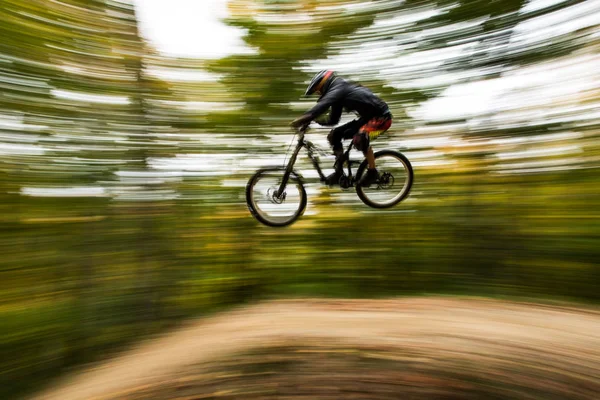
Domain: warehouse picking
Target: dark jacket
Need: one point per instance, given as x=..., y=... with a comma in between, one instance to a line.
x=343, y=95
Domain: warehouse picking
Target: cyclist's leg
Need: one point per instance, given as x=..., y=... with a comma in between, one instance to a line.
x=369, y=132
x=346, y=131
x=362, y=141
x=335, y=137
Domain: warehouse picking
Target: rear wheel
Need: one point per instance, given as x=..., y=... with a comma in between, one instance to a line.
x=272, y=208
x=394, y=182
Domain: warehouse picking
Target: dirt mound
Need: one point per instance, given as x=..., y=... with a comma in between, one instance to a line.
x=420, y=348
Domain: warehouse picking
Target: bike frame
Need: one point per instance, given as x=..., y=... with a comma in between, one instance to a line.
x=311, y=148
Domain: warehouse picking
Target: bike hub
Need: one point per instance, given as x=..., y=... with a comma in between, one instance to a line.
x=275, y=197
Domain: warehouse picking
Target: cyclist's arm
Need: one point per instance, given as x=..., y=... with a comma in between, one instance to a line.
x=331, y=98
x=335, y=115
x=303, y=120
x=330, y=118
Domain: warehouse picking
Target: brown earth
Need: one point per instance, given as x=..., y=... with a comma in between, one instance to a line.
x=417, y=348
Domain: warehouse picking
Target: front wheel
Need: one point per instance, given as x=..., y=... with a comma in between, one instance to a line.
x=273, y=208
x=394, y=182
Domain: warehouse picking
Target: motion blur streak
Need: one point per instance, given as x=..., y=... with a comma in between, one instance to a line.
x=123, y=168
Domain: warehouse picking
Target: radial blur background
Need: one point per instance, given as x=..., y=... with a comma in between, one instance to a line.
x=128, y=131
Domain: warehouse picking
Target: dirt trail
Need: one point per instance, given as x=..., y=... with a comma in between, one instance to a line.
x=484, y=329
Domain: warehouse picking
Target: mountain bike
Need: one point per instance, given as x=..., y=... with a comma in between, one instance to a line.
x=276, y=195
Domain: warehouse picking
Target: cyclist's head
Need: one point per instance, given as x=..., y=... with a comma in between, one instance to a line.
x=320, y=82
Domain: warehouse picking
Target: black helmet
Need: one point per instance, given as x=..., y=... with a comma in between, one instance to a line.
x=320, y=81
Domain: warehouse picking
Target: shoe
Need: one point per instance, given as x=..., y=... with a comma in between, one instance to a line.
x=334, y=179
x=369, y=178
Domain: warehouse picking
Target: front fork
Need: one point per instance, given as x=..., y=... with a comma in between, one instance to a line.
x=288, y=170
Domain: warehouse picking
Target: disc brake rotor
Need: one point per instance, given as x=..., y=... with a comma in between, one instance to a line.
x=272, y=196
x=386, y=180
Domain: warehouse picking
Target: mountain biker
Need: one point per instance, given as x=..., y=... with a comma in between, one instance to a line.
x=338, y=94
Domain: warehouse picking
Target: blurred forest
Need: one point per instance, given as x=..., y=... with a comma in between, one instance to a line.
x=123, y=170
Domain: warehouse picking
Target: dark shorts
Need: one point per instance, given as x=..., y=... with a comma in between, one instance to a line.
x=360, y=132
